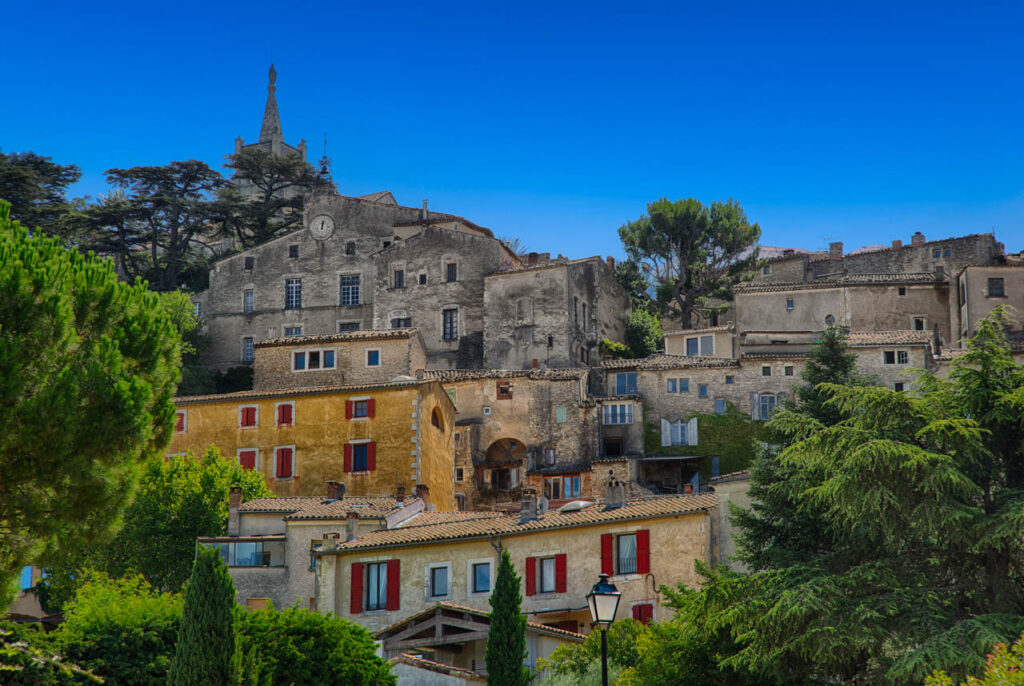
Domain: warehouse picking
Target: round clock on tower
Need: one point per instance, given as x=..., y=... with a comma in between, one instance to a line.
x=321, y=227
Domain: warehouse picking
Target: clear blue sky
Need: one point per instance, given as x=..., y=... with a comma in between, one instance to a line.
x=860, y=122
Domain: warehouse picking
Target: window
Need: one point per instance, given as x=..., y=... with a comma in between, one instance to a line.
x=560, y=414
x=719, y=405
x=349, y=289
x=643, y=612
x=767, y=406
x=439, y=581
x=902, y=357
x=285, y=414
x=918, y=323
x=547, y=574
x=946, y=252
x=618, y=414
x=679, y=432
x=625, y=554
x=702, y=390
x=386, y=244
x=504, y=390
x=766, y=270
x=729, y=381
x=291, y=331
x=571, y=486
x=247, y=349
x=360, y=408
x=480, y=573
x=312, y=360
x=250, y=262
x=423, y=279
x=373, y=357
x=895, y=357
x=250, y=553
x=248, y=458
x=451, y=272
x=25, y=581
x=399, y=280
x=789, y=303
x=995, y=288
x=401, y=322
x=346, y=327
x=460, y=473
x=377, y=586
x=707, y=345
x=450, y=324
x=350, y=248
x=898, y=386
x=625, y=384
x=692, y=347
x=766, y=371
x=284, y=462
x=248, y=416
x=180, y=421
x=788, y=370
x=558, y=487
x=576, y=312
x=198, y=310
x=293, y=294
x=902, y=290
x=293, y=251
x=937, y=253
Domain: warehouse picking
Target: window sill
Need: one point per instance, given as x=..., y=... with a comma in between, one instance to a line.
x=285, y=426
x=360, y=419
x=284, y=478
x=374, y=613
x=361, y=472
x=633, y=576
x=244, y=428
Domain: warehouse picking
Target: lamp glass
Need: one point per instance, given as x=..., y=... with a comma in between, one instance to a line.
x=604, y=602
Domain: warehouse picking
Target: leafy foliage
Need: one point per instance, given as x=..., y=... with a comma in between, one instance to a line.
x=694, y=254
x=643, y=333
x=577, y=661
x=506, y=640
x=96, y=357
x=632, y=279
x=613, y=349
x=206, y=651
x=24, y=664
x=304, y=648
x=1004, y=666
x=36, y=188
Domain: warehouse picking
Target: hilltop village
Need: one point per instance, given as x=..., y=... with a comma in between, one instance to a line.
x=424, y=396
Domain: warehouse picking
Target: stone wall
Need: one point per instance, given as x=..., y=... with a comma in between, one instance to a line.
x=974, y=302
x=906, y=258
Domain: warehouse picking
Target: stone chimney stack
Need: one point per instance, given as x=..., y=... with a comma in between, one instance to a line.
x=234, y=503
x=351, y=520
x=425, y=213
x=335, y=490
x=897, y=244
x=528, y=511
x=615, y=494
x=611, y=262
x=917, y=238
x=423, y=493
x=400, y=494
x=835, y=250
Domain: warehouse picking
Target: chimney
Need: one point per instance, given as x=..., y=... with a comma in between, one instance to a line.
x=897, y=244
x=940, y=273
x=234, y=502
x=528, y=511
x=331, y=540
x=351, y=519
x=531, y=258
x=423, y=493
x=835, y=250
x=614, y=493
x=335, y=490
x=400, y=494
x=425, y=212
x=542, y=505
x=917, y=238
x=536, y=363
x=611, y=262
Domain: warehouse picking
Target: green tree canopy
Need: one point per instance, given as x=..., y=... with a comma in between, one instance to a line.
x=694, y=254
x=36, y=187
x=87, y=372
x=643, y=333
x=506, y=640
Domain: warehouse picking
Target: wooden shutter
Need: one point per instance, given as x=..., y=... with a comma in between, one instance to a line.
x=348, y=409
x=348, y=457
x=643, y=613
x=247, y=458
x=371, y=407
x=637, y=612
x=691, y=432
x=394, y=583
x=643, y=551
x=284, y=463
x=355, y=597
x=607, y=561
x=755, y=406
x=371, y=456
x=560, y=573
x=666, y=432
x=531, y=576
x=180, y=425
x=284, y=414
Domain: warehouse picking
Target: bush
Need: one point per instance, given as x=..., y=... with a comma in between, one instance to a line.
x=643, y=333
x=22, y=663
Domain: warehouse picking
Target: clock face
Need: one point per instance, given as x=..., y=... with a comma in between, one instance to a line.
x=321, y=227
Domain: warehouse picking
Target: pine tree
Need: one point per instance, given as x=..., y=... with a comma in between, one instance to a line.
x=206, y=653
x=830, y=361
x=506, y=641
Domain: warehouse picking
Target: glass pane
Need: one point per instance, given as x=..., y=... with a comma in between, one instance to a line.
x=372, y=587
x=328, y=359
x=547, y=575
x=439, y=581
x=248, y=554
x=26, y=578
x=481, y=578
x=627, y=554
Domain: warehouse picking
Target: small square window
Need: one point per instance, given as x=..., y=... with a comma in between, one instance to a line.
x=789, y=370
x=372, y=358
x=729, y=380
x=387, y=244
x=702, y=390
x=938, y=253
x=247, y=417
x=766, y=270
x=946, y=252
x=438, y=582
x=918, y=323
x=789, y=303
x=902, y=357
x=504, y=389
x=350, y=248
x=889, y=357
x=360, y=408
x=299, y=361
x=250, y=262
x=423, y=279
x=766, y=371
x=898, y=386
x=290, y=331
x=995, y=288
x=902, y=290
x=293, y=251
x=459, y=474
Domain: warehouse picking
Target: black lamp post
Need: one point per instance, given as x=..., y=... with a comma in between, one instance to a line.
x=604, y=602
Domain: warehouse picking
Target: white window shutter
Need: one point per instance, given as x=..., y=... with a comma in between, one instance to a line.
x=755, y=406
x=666, y=432
x=691, y=432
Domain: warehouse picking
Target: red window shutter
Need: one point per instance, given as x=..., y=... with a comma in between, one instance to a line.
x=531, y=576
x=560, y=573
x=247, y=458
x=370, y=407
x=355, y=597
x=371, y=456
x=348, y=409
x=284, y=415
x=248, y=416
x=638, y=612
x=648, y=613
x=284, y=463
x=643, y=551
x=394, y=583
x=607, y=565
x=180, y=425
x=348, y=457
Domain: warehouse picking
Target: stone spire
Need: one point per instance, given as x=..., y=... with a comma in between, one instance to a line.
x=271, y=128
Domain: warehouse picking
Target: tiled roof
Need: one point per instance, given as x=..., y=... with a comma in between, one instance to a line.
x=449, y=375
x=866, y=339
x=773, y=355
x=664, y=361
x=361, y=335
x=550, y=264
x=438, y=218
x=428, y=518
x=1010, y=265
x=510, y=525
x=949, y=354
x=310, y=507
x=838, y=282
x=463, y=675
x=376, y=197
x=709, y=329
x=731, y=476
x=289, y=392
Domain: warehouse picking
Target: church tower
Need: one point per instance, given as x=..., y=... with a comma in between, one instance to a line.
x=271, y=137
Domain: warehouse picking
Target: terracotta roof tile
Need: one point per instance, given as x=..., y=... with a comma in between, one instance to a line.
x=708, y=329
x=448, y=375
x=664, y=361
x=463, y=675
x=430, y=518
x=838, y=282
x=865, y=339
x=510, y=525
x=288, y=392
x=550, y=264
x=309, y=507
x=731, y=476
x=361, y=335
x=773, y=355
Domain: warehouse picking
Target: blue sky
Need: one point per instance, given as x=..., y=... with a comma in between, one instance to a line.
x=557, y=122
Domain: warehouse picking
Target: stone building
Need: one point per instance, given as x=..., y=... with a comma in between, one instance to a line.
x=982, y=288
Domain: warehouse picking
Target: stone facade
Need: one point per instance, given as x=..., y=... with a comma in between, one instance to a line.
x=980, y=289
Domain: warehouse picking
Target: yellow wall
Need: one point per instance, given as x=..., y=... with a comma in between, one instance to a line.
x=410, y=450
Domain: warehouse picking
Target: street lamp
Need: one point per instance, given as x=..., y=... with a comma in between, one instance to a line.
x=604, y=602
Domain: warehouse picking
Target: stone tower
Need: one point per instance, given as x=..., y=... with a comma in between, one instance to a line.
x=271, y=137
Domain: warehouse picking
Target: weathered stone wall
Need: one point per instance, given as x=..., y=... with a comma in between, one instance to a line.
x=871, y=361
x=974, y=301
x=592, y=282
x=965, y=250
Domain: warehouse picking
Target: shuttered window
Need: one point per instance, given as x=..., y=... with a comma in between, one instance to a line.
x=643, y=613
x=284, y=414
x=247, y=417
x=247, y=459
x=283, y=462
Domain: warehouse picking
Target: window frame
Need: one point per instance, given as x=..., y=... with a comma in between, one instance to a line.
x=619, y=538
x=322, y=354
x=277, y=413
x=630, y=388
x=471, y=587
x=542, y=577
x=293, y=294
x=451, y=268
x=256, y=417
x=357, y=290
x=431, y=568
x=291, y=475
x=767, y=408
x=248, y=348
x=184, y=421
x=993, y=280
x=450, y=324
x=366, y=357
x=248, y=300
x=256, y=457
x=381, y=604
x=625, y=411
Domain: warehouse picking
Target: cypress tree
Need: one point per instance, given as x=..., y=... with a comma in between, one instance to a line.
x=506, y=641
x=206, y=653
